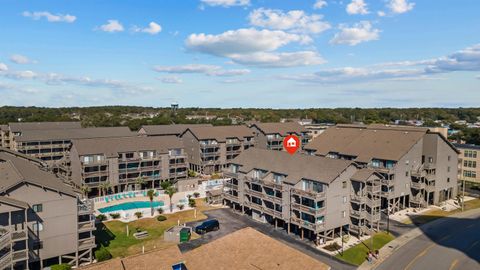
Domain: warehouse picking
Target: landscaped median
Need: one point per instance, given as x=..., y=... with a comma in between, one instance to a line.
x=357, y=255
x=112, y=235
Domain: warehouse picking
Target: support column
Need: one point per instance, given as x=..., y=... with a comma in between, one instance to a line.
x=301, y=232
x=76, y=259
x=288, y=232
x=276, y=221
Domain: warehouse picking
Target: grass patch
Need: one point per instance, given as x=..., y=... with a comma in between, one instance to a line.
x=113, y=234
x=356, y=255
x=435, y=214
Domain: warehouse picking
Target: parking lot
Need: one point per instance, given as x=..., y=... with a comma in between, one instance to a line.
x=231, y=222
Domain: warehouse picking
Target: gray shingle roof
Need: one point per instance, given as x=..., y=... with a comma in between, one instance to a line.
x=22, y=126
x=77, y=133
x=280, y=128
x=10, y=201
x=295, y=167
x=162, y=130
x=16, y=168
x=112, y=146
x=467, y=146
x=221, y=133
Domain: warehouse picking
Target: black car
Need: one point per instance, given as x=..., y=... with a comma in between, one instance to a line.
x=207, y=226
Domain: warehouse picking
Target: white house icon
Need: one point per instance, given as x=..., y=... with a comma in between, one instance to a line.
x=291, y=142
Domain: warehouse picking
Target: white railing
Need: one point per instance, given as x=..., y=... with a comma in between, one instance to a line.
x=125, y=195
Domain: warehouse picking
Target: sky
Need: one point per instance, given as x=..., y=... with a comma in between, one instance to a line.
x=240, y=53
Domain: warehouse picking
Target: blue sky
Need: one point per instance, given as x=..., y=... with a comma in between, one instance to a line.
x=240, y=53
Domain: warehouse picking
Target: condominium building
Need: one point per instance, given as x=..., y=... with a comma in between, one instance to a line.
x=209, y=149
x=51, y=145
x=469, y=159
x=4, y=136
x=167, y=130
x=121, y=162
x=42, y=221
x=418, y=167
x=317, y=198
x=270, y=135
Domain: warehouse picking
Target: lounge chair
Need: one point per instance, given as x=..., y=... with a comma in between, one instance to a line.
x=106, y=199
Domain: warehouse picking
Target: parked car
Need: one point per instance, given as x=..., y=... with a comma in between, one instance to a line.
x=207, y=226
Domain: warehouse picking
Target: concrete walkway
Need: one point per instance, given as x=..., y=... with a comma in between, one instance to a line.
x=397, y=243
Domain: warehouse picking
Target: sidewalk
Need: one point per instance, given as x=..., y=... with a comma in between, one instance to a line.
x=397, y=243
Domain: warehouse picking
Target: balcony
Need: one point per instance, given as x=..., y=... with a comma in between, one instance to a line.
x=86, y=243
x=417, y=185
x=359, y=214
x=308, y=209
x=20, y=255
x=6, y=261
x=386, y=182
x=255, y=193
x=373, y=189
x=359, y=199
x=86, y=226
x=252, y=205
x=85, y=207
x=229, y=196
x=308, y=225
x=373, y=217
x=373, y=202
x=271, y=184
x=5, y=237
x=273, y=198
x=309, y=194
x=229, y=174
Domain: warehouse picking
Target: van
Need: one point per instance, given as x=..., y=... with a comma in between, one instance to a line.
x=207, y=226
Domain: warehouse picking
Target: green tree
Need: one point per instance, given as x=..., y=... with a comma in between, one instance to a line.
x=104, y=187
x=85, y=190
x=139, y=182
x=170, y=191
x=165, y=184
x=151, y=194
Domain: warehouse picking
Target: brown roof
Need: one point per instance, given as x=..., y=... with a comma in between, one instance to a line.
x=295, y=167
x=221, y=133
x=363, y=174
x=162, y=130
x=245, y=249
x=113, y=146
x=280, y=128
x=77, y=133
x=22, y=126
x=3, y=127
x=367, y=142
x=17, y=168
x=10, y=201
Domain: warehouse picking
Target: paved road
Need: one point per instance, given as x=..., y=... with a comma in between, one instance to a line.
x=453, y=244
x=230, y=222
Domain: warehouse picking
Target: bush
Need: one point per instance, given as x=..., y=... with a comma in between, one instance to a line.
x=160, y=210
x=115, y=215
x=345, y=238
x=102, y=217
x=138, y=214
x=196, y=194
x=161, y=218
x=180, y=206
x=215, y=176
x=102, y=254
x=192, y=203
x=63, y=266
x=333, y=247
x=191, y=173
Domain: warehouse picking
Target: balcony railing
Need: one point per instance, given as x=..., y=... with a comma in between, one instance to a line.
x=5, y=237
x=229, y=174
x=358, y=214
x=417, y=185
x=6, y=261
x=373, y=217
x=20, y=255
x=387, y=182
x=86, y=243
x=308, y=225
x=255, y=193
x=357, y=198
x=273, y=198
x=373, y=202
x=309, y=194
x=85, y=207
x=307, y=209
x=86, y=226
x=373, y=189
x=230, y=196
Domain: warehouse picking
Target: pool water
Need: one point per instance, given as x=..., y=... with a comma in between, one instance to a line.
x=129, y=206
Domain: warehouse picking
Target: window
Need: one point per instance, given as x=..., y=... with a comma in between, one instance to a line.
x=278, y=178
x=406, y=173
x=344, y=184
x=344, y=199
x=37, y=227
x=430, y=159
x=129, y=155
x=344, y=214
x=37, y=208
x=470, y=154
x=449, y=158
x=448, y=180
x=407, y=162
x=448, y=169
x=469, y=163
x=471, y=174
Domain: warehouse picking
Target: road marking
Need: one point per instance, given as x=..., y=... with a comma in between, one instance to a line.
x=454, y=263
x=419, y=256
x=472, y=245
x=444, y=238
x=469, y=226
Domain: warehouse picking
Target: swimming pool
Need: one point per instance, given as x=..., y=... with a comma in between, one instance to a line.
x=129, y=206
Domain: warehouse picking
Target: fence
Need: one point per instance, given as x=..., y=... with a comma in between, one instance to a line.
x=125, y=194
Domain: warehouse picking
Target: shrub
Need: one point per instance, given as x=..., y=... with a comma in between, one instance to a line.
x=215, y=176
x=63, y=266
x=102, y=217
x=180, y=206
x=114, y=215
x=160, y=210
x=333, y=247
x=138, y=214
x=161, y=218
x=189, y=196
x=102, y=254
x=345, y=238
x=192, y=203
x=191, y=173
x=196, y=194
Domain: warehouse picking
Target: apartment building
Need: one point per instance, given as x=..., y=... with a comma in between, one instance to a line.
x=311, y=196
x=42, y=221
x=418, y=167
x=469, y=160
x=210, y=148
x=167, y=130
x=270, y=135
x=4, y=136
x=51, y=145
x=121, y=162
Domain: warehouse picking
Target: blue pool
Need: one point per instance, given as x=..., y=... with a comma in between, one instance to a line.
x=129, y=206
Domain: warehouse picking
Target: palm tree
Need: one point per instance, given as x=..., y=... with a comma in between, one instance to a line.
x=170, y=191
x=139, y=182
x=104, y=187
x=165, y=185
x=85, y=190
x=151, y=194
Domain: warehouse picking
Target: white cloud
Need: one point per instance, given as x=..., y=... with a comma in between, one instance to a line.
x=152, y=29
x=24, y=74
x=3, y=67
x=171, y=79
x=400, y=6
x=210, y=70
x=467, y=59
x=381, y=13
x=242, y=41
x=226, y=3
x=294, y=20
x=112, y=26
x=21, y=59
x=37, y=15
x=358, y=33
x=319, y=4
x=279, y=60
x=357, y=7
x=478, y=77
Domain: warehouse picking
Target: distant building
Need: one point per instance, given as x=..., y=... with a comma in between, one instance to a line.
x=469, y=161
x=209, y=149
x=174, y=107
x=42, y=220
x=205, y=117
x=270, y=135
x=167, y=130
x=313, y=130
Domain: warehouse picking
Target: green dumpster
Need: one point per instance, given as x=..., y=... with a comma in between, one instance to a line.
x=184, y=235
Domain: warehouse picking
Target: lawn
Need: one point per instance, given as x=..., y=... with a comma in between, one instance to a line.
x=435, y=214
x=356, y=255
x=113, y=234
